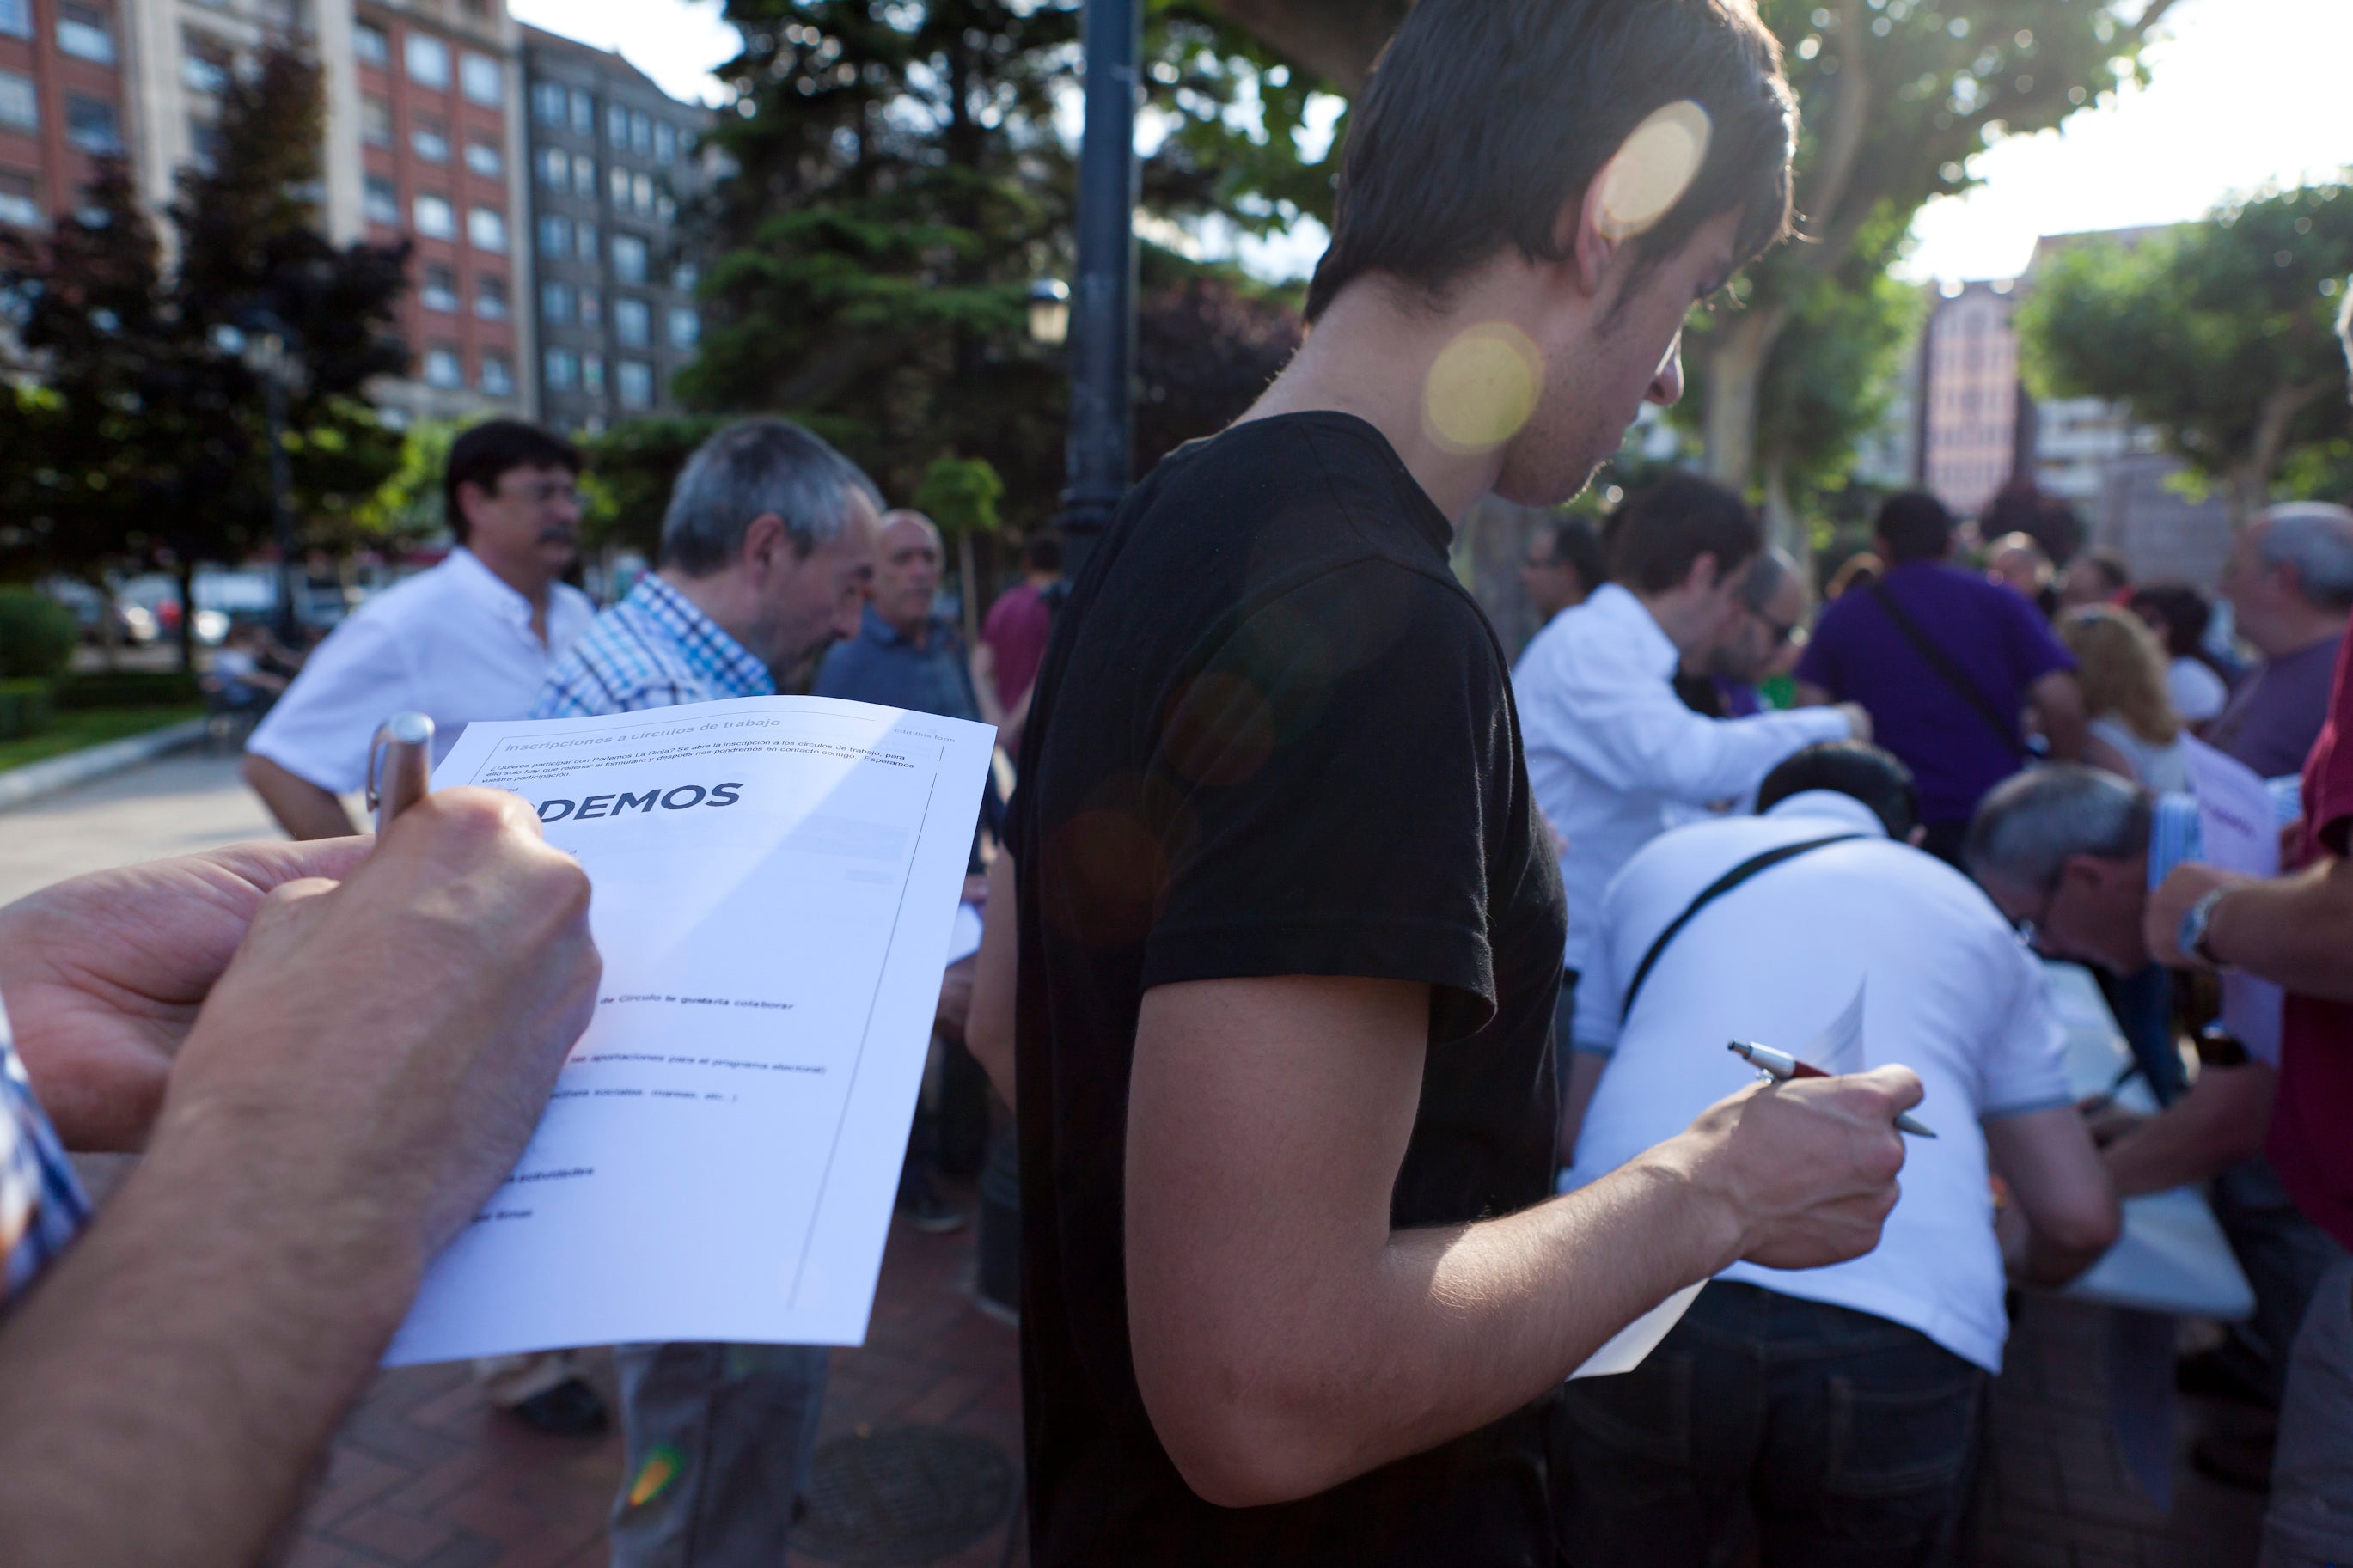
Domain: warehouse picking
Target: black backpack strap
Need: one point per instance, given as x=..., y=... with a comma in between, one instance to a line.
x=1952, y=674
x=1709, y=894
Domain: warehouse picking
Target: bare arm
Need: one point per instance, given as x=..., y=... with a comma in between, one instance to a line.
x=2219, y=1122
x=359, y=1079
x=1285, y=1339
x=989, y=1028
x=2054, y=1173
x=2059, y=706
x=1812, y=696
x=2294, y=930
x=302, y=808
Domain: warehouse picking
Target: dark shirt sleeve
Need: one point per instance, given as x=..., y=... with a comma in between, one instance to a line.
x=1818, y=666
x=1330, y=789
x=2034, y=650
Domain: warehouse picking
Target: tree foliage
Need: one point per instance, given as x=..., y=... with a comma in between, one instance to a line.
x=2219, y=334
x=150, y=432
x=1206, y=347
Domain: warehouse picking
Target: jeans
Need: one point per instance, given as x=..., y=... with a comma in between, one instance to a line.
x=719, y=1440
x=1841, y=1440
x=2310, y=1522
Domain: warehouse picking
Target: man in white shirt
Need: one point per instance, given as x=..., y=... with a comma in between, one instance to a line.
x=1611, y=751
x=1836, y=1404
x=472, y=638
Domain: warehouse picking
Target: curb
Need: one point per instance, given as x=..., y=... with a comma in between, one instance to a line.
x=19, y=786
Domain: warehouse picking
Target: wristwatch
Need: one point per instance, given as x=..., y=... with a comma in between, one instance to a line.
x=2190, y=938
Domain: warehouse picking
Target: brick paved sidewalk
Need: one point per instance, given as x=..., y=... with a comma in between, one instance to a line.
x=425, y=1475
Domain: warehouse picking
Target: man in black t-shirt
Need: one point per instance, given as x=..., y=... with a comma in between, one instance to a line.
x=1271, y=962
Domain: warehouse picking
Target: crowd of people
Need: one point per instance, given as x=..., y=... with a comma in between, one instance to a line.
x=1358, y=991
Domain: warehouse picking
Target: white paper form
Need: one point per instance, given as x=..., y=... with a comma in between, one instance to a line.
x=772, y=883
x=2238, y=832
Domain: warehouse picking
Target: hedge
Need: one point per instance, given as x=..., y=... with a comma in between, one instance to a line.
x=128, y=688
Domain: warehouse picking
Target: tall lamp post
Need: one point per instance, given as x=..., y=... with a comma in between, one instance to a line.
x=1103, y=304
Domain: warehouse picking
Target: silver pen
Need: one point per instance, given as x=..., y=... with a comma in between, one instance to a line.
x=1781, y=1066
x=400, y=766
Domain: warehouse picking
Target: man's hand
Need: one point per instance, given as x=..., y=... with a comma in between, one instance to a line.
x=394, y=1039
x=1858, y=720
x=1805, y=1169
x=102, y=975
x=2161, y=916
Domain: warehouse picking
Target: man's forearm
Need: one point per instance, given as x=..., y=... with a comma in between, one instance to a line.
x=166, y=1389
x=2218, y=1123
x=302, y=808
x=2296, y=931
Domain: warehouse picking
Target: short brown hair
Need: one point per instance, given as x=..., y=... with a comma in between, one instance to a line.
x=484, y=454
x=1484, y=118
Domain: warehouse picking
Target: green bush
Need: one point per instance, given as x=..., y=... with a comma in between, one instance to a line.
x=25, y=708
x=128, y=688
x=37, y=636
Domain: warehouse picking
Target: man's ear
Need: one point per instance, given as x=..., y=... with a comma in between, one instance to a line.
x=767, y=544
x=469, y=495
x=1577, y=234
x=1702, y=575
x=1918, y=836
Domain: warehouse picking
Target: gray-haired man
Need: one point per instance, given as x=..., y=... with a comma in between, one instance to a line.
x=766, y=550
x=2289, y=580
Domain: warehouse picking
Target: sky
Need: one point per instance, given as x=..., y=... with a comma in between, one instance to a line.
x=2244, y=92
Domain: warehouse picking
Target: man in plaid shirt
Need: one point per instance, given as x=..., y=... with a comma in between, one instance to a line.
x=41, y=1204
x=767, y=550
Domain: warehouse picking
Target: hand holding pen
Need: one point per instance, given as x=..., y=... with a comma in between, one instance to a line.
x=1782, y=1067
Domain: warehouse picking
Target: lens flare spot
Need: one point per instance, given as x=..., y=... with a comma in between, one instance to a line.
x=1482, y=387
x=660, y=1468
x=1650, y=172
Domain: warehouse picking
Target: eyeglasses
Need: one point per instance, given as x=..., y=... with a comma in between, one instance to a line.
x=543, y=492
x=1783, y=632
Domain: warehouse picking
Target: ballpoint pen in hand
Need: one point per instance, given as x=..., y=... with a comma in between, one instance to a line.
x=405, y=774
x=1780, y=1065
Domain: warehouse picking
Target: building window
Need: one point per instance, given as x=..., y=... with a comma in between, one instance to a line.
x=620, y=183
x=559, y=369
x=665, y=143
x=617, y=126
x=83, y=33
x=442, y=366
x=440, y=290
x=584, y=113
x=20, y=201
x=379, y=202
x=481, y=78
x=641, y=132
x=371, y=46
x=206, y=60
x=685, y=327
x=429, y=60
x=429, y=140
x=498, y=375
x=584, y=176
x=20, y=106
x=629, y=258
x=554, y=167
x=592, y=307
x=592, y=374
x=634, y=378
x=587, y=234
x=665, y=209
x=16, y=18
x=93, y=125
x=641, y=192
x=547, y=103
x=490, y=297
x=684, y=276
x=485, y=159
x=555, y=236
x=632, y=323
x=487, y=228
x=555, y=303
x=435, y=217
x=204, y=142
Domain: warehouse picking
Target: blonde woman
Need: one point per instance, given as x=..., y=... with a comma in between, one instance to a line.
x=2134, y=731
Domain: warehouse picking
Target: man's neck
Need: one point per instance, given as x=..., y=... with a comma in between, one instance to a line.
x=1682, y=620
x=726, y=598
x=1370, y=355
x=526, y=576
x=918, y=632
x=2297, y=630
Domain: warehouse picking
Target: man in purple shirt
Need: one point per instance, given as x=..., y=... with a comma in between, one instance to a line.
x=2290, y=582
x=1946, y=662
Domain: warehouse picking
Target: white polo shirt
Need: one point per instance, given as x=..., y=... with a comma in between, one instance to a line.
x=454, y=642
x=1948, y=991
x=1612, y=751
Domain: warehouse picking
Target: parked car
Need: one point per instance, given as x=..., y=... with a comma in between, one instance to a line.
x=98, y=612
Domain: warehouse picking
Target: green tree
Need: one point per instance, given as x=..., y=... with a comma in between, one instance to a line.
x=2219, y=334
x=961, y=494
x=631, y=468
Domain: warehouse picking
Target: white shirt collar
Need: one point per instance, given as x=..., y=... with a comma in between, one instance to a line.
x=1615, y=605
x=478, y=579
x=1844, y=809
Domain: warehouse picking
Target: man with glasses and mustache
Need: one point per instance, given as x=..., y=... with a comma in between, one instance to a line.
x=1760, y=643
x=472, y=639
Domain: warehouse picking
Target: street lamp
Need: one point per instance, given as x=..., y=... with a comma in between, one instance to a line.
x=1103, y=300
x=263, y=352
x=1049, y=313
